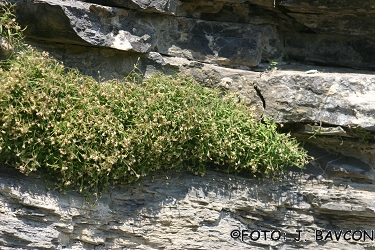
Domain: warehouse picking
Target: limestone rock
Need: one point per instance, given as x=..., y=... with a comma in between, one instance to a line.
x=130, y=30
x=331, y=98
x=226, y=32
x=227, y=44
x=176, y=210
x=330, y=49
x=333, y=32
x=339, y=17
x=361, y=150
x=336, y=165
x=158, y=6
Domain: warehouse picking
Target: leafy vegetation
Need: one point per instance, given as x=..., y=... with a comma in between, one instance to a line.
x=83, y=134
x=9, y=29
x=363, y=135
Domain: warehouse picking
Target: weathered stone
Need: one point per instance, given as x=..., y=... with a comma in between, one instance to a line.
x=219, y=42
x=127, y=30
x=101, y=63
x=161, y=6
x=175, y=210
x=237, y=81
x=360, y=149
x=280, y=94
x=47, y=23
x=330, y=98
x=333, y=33
x=342, y=24
x=186, y=8
x=324, y=5
x=227, y=32
x=336, y=50
x=349, y=18
x=336, y=165
x=319, y=130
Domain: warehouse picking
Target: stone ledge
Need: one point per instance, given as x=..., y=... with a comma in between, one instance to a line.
x=183, y=212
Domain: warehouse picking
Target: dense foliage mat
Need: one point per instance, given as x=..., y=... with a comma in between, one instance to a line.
x=77, y=132
x=81, y=132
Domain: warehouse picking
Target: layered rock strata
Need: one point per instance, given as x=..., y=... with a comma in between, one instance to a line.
x=289, y=60
x=176, y=210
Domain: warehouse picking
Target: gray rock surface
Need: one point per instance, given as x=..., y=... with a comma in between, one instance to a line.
x=182, y=36
x=223, y=32
x=361, y=150
x=176, y=210
x=230, y=44
x=129, y=30
x=329, y=97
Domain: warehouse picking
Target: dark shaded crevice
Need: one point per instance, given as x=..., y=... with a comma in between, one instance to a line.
x=113, y=4
x=260, y=96
x=296, y=26
x=353, y=133
x=34, y=41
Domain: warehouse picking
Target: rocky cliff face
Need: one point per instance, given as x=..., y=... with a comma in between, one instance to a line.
x=224, y=32
x=228, y=43
x=306, y=64
x=175, y=210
